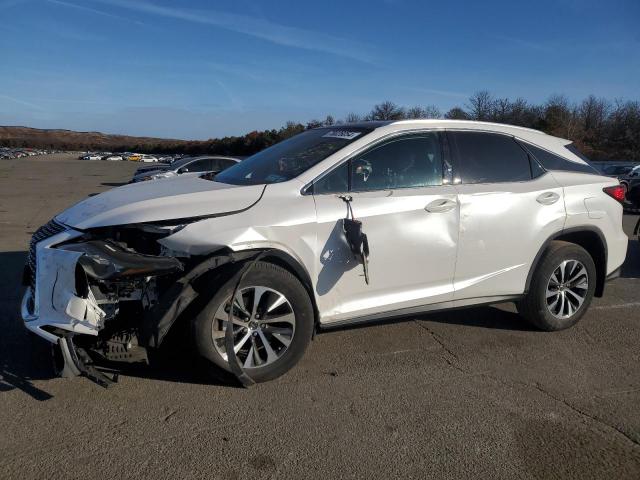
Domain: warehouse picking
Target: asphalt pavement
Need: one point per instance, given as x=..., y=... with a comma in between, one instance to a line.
x=473, y=393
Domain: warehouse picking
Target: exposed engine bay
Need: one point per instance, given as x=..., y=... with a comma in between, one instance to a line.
x=116, y=287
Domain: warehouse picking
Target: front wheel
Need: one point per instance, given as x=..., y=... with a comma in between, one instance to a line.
x=561, y=289
x=272, y=322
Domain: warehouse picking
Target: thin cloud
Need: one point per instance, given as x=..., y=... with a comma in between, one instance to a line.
x=520, y=43
x=21, y=102
x=93, y=10
x=255, y=27
x=10, y=3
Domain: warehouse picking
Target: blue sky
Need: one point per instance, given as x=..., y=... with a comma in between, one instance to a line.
x=202, y=69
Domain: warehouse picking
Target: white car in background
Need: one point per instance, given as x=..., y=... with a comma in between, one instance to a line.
x=92, y=156
x=185, y=166
x=334, y=226
x=113, y=158
x=148, y=158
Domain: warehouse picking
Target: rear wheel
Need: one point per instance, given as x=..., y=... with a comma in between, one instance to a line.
x=272, y=322
x=561, y=289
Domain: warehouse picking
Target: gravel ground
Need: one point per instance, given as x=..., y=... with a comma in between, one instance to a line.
x=467, y=394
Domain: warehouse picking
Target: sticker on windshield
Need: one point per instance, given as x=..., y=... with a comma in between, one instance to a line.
x=344, y=134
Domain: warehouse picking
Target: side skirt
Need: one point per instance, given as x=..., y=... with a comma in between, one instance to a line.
x=434, y=307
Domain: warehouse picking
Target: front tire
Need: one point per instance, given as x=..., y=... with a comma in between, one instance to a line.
x=273, y=322
x=562, y=288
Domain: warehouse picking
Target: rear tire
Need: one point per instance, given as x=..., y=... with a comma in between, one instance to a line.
x=271, y=336
x=561, y=289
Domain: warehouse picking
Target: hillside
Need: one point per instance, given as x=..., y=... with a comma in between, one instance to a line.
x=17, y=136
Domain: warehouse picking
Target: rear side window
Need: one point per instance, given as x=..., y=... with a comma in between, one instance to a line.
x=489, y=158
x=551, y=161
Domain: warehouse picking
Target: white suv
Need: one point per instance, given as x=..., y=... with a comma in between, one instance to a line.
x=336, y=225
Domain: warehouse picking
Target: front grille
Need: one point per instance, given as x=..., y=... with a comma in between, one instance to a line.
x=46, y=231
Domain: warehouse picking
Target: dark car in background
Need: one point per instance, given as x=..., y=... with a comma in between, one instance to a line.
x=617, y=170
x=629, y=176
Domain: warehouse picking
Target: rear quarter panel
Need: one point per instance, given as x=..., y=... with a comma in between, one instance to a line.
x=588, y=206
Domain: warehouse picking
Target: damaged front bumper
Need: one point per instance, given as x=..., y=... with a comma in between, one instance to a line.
x=52, y=303
x=67, y=275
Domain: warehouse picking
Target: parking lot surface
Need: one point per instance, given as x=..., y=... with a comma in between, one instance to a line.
x=473, y=393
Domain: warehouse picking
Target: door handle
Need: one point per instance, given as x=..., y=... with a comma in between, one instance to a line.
x=441, y=205
x=548, y=198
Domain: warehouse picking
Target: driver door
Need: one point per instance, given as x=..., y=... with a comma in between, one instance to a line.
x=410, y=217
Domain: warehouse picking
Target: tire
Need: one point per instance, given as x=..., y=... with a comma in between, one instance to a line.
x=290, y=321
x=545, y=312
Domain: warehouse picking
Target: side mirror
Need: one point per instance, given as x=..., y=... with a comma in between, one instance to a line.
x=183, y=170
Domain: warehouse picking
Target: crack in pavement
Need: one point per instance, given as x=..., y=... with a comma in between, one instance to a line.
x=583, y=413
x=449, y=354
x=440, y=342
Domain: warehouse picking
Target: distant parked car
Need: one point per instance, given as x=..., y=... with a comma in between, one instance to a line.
x=148, y=158
x=185, y=165
x=113, y=158
x=92, y=156
x=616, y=170
x=134, y=157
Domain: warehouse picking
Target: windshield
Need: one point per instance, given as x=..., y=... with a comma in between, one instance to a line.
x=290, y=158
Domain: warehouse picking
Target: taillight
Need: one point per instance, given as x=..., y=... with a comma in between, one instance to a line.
x=617, y=192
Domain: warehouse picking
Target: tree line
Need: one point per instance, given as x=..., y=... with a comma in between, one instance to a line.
x=602, y=129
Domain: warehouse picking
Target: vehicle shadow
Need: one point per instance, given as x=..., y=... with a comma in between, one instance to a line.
x=175, y=361
x=23, y=358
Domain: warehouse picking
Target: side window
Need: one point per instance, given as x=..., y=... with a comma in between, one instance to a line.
x=200, y=166
x=489, y=158
x=336, y=181
x=412, y=161
x=536, y=169
x=222, y=164
x=551, y=161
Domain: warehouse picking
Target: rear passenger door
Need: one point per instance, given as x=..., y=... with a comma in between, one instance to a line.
x=509, y=206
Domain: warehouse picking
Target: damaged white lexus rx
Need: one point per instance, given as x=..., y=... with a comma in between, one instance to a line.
x=336, y=225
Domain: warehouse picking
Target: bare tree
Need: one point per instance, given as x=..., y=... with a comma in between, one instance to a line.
x=594, y=112
x=328, y=121
x=456, y=113
x=415, y=112
x=561, y=116
x=313, y=124
x=387, y=111
x=480, y=106
x=352, y=118
x=430, y=111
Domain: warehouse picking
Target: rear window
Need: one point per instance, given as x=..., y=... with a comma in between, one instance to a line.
x=489, y=158
x=551, y=161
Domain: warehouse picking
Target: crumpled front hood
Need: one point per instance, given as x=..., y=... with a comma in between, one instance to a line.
x=160, y=200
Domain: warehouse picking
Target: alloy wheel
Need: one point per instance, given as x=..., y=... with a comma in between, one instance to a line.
x=263, y=326
x=567, y=288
